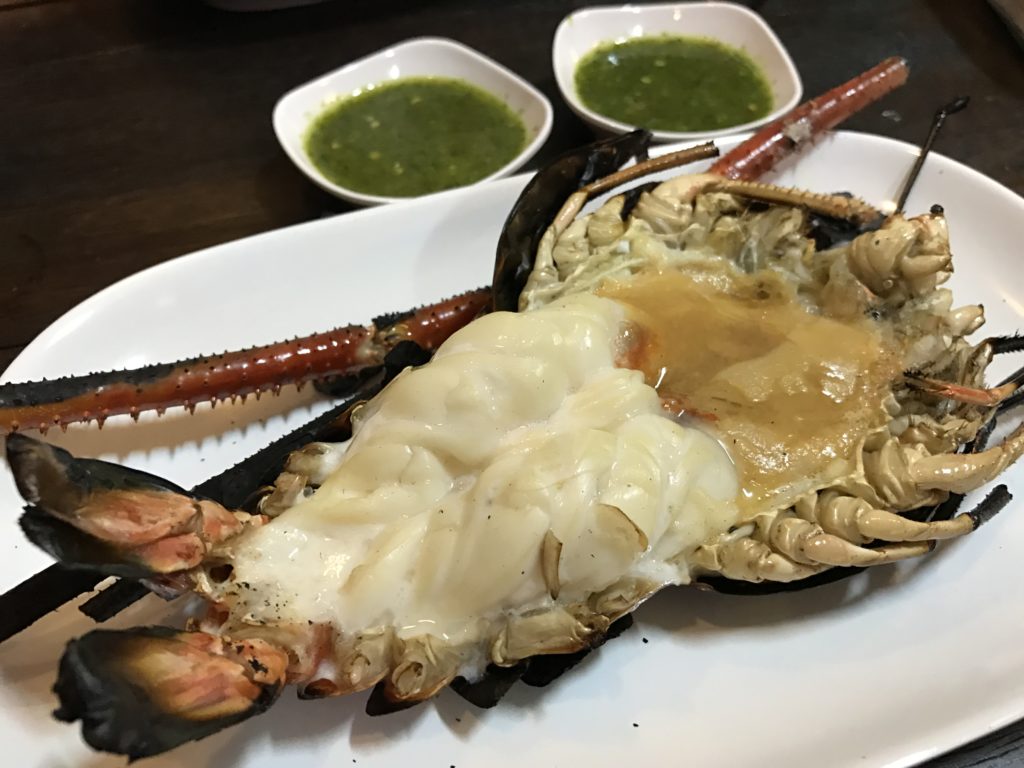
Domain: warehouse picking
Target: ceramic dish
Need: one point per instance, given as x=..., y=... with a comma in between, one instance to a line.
x=581, y=31
x=420, y=57
x=870, y=672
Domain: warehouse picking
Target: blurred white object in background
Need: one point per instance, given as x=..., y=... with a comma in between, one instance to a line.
x=258, y=5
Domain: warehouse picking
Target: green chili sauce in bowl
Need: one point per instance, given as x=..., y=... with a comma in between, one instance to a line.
x=414, y=136
x=673, y=83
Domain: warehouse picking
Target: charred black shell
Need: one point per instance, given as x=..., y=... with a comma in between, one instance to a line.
x=119, y=714
x=540, y=201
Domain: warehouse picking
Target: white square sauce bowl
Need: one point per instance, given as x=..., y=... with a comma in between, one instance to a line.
x=734, y=25
x=419, y=57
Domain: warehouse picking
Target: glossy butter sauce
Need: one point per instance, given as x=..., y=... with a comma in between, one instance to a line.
x=786, y=391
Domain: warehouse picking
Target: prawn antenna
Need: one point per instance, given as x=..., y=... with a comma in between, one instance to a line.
x=933, y=133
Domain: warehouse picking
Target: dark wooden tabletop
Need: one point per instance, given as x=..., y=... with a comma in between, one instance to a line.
x=133, y=131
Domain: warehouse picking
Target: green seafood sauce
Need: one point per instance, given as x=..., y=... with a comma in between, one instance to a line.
x=413, y=136
x=672, y=83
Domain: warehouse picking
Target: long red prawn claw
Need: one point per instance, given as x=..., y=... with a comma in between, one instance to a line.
x=340, y=352
x=780, y=138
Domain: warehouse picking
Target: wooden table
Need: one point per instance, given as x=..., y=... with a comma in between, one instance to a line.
x=133, y=131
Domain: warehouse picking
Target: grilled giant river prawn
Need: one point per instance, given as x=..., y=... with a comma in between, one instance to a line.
x=520, y=495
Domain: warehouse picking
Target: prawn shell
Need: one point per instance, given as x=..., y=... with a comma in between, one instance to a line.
x=132, y=701
x=540, y=202
x=92, y=514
